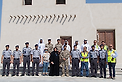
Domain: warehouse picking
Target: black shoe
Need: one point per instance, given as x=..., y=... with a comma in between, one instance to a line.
x=13, y=74
x=23, y=75
x=104, y=77
x=37, y=74
x=87, y=76
x=32, y=74
x=7, y=75
x=73, y=75
x=101, y=77
x=28, y=74
x=77, y=75
x=92, y=75
x=17, y=75
x=3, y=75
x=81, y=75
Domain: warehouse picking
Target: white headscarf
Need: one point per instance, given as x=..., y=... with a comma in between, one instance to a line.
x=41, y=46
x=87, y=45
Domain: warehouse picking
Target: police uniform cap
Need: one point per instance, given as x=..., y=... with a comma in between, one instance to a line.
x=17, y=46
x=27, y=43
x=7, y=46
x=36, y=45
x=92, y=46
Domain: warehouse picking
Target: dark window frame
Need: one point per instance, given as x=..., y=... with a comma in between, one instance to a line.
x=28, y=2
x=58, y=2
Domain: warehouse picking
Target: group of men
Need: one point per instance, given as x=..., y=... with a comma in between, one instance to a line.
x=95, y=55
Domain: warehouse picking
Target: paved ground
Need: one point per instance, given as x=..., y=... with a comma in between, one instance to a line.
x=56, y=79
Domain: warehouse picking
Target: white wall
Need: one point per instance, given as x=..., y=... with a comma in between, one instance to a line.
x=89, y=18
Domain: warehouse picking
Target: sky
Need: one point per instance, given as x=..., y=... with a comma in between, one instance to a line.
x=103, y=1
x=0, y=14
x=87, y=1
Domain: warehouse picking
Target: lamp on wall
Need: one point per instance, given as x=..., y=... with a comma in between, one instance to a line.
x=50, y=16
x=66, y=15
x=22, y=16
x=46, y=16
x=14, y=18
x=37, y=19
x=70, y=16
x=25, y=19
x=38, y=16
x=18, y=16
x=26, y=16
x=74, y=16
x=42, y=16
x=58, y=16
x=11, y=16
x=34, y=17
x=30, y=18
x=18, y=19
x=54, y=15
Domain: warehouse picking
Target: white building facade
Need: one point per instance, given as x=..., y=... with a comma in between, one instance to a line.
x=72, y=20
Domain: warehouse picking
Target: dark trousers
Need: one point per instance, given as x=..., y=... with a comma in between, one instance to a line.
x=16, y=63
x=26, y=60
x=35, y=62
x=75, y=67
x=111, y=65
x=6, y=63
x=93, y=64
x=102, y=64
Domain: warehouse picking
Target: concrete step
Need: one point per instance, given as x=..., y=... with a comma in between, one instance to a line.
x=118, y=71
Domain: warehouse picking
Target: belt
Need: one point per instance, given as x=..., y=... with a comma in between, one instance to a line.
x=35, y=57
x=26, y=55
x=16, y=58
x=93, y=58
x=102, y=58
x=6, y=58
x=74, y=58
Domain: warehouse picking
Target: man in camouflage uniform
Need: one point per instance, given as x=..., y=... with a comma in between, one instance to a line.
x=49, y=45
x=58, y=45
x=65, y=55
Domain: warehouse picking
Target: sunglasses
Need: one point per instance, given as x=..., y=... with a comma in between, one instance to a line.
x=110, y=46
